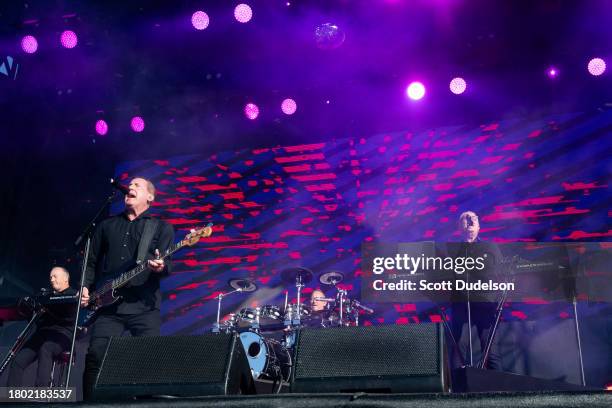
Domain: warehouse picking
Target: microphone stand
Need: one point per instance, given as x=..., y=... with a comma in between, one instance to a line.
x=23, y=336
x=85, y=235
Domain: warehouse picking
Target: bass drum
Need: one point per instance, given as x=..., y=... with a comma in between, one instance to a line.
x=268, y=359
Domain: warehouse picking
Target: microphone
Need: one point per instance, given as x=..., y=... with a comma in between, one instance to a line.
x=119, y=187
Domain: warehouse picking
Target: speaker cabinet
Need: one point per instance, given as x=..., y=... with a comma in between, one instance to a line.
x=212, y=364
x=394, y=358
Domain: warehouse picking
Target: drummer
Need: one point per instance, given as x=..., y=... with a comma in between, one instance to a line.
x=316, y=302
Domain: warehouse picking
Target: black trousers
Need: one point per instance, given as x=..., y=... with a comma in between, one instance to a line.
x=107, y=326
x=482, y=317
x=44, y=346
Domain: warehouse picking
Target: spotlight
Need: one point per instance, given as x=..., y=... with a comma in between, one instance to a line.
x=251, y=111
x=458, y=86
x=552, y=72
x=597, y=66
x=415, y=91
x=288, y=106
x=101, y=127
x=137, y=123
x=200, y=20
x=69, y=39
x=29, y=44
x=243, y=13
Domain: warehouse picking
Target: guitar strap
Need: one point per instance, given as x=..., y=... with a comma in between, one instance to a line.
x=147, y=236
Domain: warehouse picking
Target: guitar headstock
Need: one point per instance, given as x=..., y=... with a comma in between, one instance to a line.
x=194, y=236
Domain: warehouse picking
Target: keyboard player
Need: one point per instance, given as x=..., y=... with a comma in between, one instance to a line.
x=53, y=333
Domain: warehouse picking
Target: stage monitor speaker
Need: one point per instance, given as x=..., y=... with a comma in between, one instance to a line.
x=211, y=364
x=393, y=358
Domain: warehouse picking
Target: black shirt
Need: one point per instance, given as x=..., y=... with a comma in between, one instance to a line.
x=114, y=248
x=59, y=317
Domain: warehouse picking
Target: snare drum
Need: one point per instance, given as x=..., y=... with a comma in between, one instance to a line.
x=268, y=359
x=247, y=318
x=270, y=315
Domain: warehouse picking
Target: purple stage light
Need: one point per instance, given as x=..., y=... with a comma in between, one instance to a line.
x=458, y=86
x=29, y=44
x=329, y=36
x=200, y=20
x=243, y=13
x=137, y=123
x=251, y=111
x=552, y=72
x=288, y=106
x=415, y=91
x=69, y=39
x=101, y=127
x=597, y=66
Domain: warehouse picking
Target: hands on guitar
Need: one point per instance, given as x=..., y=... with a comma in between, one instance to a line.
x=156, y=265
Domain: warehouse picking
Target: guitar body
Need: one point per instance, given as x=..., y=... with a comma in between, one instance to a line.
x=98, y=302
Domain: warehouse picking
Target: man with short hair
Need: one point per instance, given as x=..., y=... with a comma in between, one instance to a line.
x=52, y=337
x=115, y=247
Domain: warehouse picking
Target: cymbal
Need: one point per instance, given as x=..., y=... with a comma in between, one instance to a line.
x=246, y=285
x=292, y=275
x=331, y=278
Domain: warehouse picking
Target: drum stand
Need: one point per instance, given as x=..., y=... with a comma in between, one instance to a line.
x=217, y=326
x=296, y=319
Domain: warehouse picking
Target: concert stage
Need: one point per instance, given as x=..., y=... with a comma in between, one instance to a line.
x=500, y=399
x=216, y=198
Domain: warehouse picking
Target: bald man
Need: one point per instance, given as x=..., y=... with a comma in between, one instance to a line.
x=52, y=337
x=482, y=304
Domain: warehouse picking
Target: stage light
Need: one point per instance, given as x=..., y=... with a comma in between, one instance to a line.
x=597, y=66
x=101, y=127
x=69, y=39
x=552, y=72
x=29, y=44
x=458, y=86
x=251, y=111
x=137, y=123
x=243, y=13
x=200, y=20
x=288, y=106
x=415, y=91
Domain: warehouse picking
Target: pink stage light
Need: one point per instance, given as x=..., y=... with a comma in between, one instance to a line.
x=415, y=91
x=137, y=123
x=200, y=20
x=69, y=39
x=251, y=111
x=288, y=106
x=243, y=13
x=597, y=66
x=101, y=127
x=458, y=86
x=552, y=72
x=29, y=44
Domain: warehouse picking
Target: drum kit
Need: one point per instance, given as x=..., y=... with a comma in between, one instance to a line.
x=268, y=332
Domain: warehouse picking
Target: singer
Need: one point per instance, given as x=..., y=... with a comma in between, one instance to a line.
x=52, y=337
x=118, y=243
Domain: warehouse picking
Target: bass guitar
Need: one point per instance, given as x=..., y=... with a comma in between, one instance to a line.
x=107, y=293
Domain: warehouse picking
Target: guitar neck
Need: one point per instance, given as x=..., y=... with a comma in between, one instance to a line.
x=125, y=277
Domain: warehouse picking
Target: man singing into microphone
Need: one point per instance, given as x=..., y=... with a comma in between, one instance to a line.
x=52, y=337
x=117, y=244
